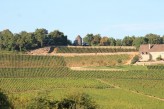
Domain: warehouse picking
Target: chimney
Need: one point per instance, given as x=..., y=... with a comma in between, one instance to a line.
x=149, y=46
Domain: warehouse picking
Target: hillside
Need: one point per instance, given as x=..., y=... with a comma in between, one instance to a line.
x=81, y=49
x=25, y=76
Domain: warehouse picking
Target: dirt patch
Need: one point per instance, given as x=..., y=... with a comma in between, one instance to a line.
x=40, y=51
x=92, y=69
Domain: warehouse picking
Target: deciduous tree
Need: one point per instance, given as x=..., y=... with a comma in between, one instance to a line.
x=40, y=35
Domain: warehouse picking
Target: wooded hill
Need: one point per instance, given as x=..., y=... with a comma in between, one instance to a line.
x=41, y=37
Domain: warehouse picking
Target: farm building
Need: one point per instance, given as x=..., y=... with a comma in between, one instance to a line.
x=151, y=52
x=78, y=41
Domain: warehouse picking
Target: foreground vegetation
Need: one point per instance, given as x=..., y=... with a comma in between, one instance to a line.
x=24, y=77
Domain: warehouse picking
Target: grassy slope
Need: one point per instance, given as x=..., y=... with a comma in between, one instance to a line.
x=107, y=98
x=104, y=60
x=23, y=82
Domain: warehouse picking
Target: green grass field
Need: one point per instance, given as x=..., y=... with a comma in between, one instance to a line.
x=22, y=77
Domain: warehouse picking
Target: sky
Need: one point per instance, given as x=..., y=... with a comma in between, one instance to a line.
x=112, y=18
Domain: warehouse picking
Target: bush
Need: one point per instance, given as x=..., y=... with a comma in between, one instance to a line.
x=4, y=101
x=42, y=102
x=135, y=59
x=159, y=58
x=119, y=61
x=75, y=101
x=80, y=101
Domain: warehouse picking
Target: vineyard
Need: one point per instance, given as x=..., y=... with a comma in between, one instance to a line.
x=155, y=67
x=93, y=49
x=24, y=76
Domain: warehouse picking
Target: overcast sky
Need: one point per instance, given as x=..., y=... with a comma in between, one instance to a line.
x=114, y=18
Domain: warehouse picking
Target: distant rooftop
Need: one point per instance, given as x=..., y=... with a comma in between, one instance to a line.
x=152, y=48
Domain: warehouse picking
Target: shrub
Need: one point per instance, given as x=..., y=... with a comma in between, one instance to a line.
x=79, y=101
x=4, y=101
x=75, y=101
x=159, y=58
x=135, y=59
x=42, y=101
x=119, y=61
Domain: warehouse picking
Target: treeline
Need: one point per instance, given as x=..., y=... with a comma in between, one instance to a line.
x=40, y=38
x=31, y=40
x=98, y=40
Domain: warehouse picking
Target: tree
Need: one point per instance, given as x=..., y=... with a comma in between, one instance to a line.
x=154, y=38
x=128, y=41
x=72, y=101
x=77, y=101
x=162, y=39
x=96, y=40
x=24, y=40
x=7, y=39
x=57, y=38
x=4, y=101
x=138, y=41
x=112, y=41
x=88, y=39
x=105, y=41
x=69, y=42
x=40, y=35
x=19, y=41
x=118, y=42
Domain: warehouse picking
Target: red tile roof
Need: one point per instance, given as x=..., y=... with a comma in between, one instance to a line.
x=152, y=48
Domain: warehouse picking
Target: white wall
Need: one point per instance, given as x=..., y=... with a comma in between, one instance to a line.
x=157, y=54
x=145, y=57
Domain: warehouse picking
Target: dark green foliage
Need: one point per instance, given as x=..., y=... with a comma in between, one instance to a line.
x=135, y=59
x=26, y=41
x=88, y=39
x=128, y=41
x=57, y=38
x=7, y=40
x=42, y=102
x=40, y=38
x=75, y=101
x=4, y=101
x=153, y=38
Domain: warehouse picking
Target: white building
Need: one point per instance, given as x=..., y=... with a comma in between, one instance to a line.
x=151, y=52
